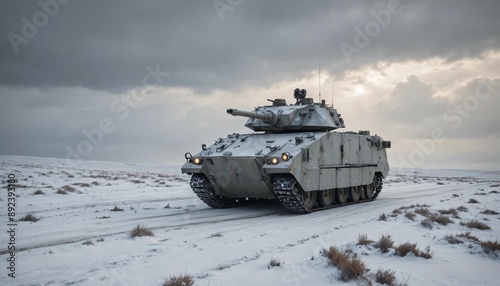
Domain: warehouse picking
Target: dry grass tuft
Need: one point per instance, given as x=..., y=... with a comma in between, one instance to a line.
x=29, y=217
x=407, y=207
x=423, y=212
x=67, y=188
x=407, y=247
x=451, y=211
x=489, y=212
x=427, y=254
x=427, y=223
x=385, y=277
x=476, y=224
x=38, y=192
x=181, y=280
x=443, y=220
x=490, y=246
x=384, y=243
x=451, y=239
x=363, y=240
x=116, y=209
x=410, y=216
x=274, y=262
x=88, y=242
x=216, y=234
x=382, y=217
x=423, y=206
x=473, y=201
x=397, y=211
x=141, y=230
x=350, y=267
x=469, y=236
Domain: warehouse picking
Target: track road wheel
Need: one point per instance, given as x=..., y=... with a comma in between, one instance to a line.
x=308, y=199
x=370, y=189
x=326, y=198
x=341, y=195
x=362, y=192
x=354, y=194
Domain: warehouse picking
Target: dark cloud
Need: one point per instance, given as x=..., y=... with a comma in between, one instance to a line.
x=107, y=45
x=65, y=77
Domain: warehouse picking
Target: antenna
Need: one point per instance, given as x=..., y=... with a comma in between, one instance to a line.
x=319, y=79
x=332, y=94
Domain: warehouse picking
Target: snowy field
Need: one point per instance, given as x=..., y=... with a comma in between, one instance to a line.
x=79, y=240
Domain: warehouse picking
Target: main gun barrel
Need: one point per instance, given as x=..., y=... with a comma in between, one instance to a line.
x=268, y=117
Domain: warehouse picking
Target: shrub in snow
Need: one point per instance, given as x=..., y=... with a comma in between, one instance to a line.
x=67, y=188
x=475, y=224
x=491, y=246
x=451, y=211
x=427, y=223
x=350, y=266
x=472, y=201
x=427, y=254
x=141, y=230
x=181, y=280
x=443, y=220
x=423, y=212
x=363, y=240
x=38, y=192
x=88, y=242
x=384, y=243
x=116, y=209
x=469, y=236
x=29, y=217
x=405, y=248
x=410, y=216
x=489, y=212
x=274, y=262
x=451, y=239
x=382, y=217
x=385, y=277
x=216, y=234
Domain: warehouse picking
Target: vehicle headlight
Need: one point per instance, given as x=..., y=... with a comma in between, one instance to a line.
x=197, y=160
x=285, y=156
x=273, y=161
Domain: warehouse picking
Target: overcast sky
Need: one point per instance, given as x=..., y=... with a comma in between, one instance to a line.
x=147, y=81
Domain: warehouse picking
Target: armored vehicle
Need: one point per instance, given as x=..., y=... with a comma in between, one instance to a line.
x=293, y=156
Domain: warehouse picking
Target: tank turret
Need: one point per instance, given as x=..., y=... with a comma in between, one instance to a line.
x=304, y=115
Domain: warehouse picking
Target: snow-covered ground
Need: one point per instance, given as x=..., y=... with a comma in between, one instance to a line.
x=231, y=246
